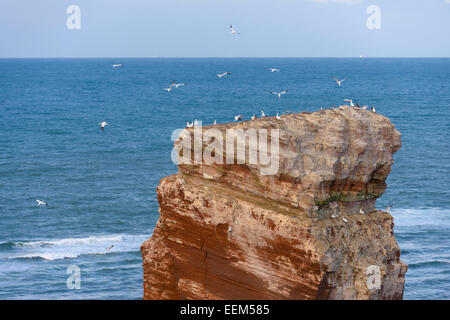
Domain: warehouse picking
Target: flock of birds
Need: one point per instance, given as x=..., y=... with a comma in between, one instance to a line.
x=361, y=211
x=239, y=117
x=234, y=32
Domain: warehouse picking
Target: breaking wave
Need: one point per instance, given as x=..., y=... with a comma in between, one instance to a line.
x=71, y=247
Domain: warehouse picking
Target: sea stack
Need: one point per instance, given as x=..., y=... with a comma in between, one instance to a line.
x=233, y=231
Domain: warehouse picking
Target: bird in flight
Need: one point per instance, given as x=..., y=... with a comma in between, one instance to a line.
x=110, y=247
x=351, y=102
x=176, y=85
x=103, y=124
x=279, y=93
x=274, y=70
x=116, y=65
x=172, y=85
x=41, y=203
x=238, y=117
x=233, y=31
x=338, y=81
x=220, y=75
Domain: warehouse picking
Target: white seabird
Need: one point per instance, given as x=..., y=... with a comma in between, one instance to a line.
x=103, y=124
x=337, y=80
x=168, y=89
x=373, y=109
x=238, y=117
x=345, y=220
x=361, y=211
x=215, y=122
x=41, y=203
x=220, y=75
x=233, y=31
x=189, y=125
x=274, y=70
x=278, y=117
x=279, y=93
x=116, y=65
x=351, y=102
x=254, y=117
x=263, y=114
x=388, y=209
x=334, y=216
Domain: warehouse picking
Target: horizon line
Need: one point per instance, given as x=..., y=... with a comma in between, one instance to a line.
x=237, y=57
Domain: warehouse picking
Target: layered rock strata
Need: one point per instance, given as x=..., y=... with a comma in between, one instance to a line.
x=231, y=231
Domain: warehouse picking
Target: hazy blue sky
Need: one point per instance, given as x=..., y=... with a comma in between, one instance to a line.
x=199, y=28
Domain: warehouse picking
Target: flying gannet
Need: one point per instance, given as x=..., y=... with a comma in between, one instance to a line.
x=274, y=70
x=278, y=93
x=233, y=31
x=116, y=65
x=338, y=81
x=220, y=75
x=103, y=124
x=41, y=203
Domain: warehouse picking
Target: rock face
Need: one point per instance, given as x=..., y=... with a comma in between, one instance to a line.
x=226, y=231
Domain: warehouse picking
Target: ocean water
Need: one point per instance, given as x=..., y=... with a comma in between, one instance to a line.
x=100, y=186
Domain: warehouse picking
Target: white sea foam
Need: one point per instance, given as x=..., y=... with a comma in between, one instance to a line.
x=439, y=217
x=74, y=247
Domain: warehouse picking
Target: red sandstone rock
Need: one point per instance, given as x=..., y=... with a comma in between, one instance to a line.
x=228, y=232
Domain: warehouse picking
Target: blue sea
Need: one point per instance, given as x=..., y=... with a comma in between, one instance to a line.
x=100, y=186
